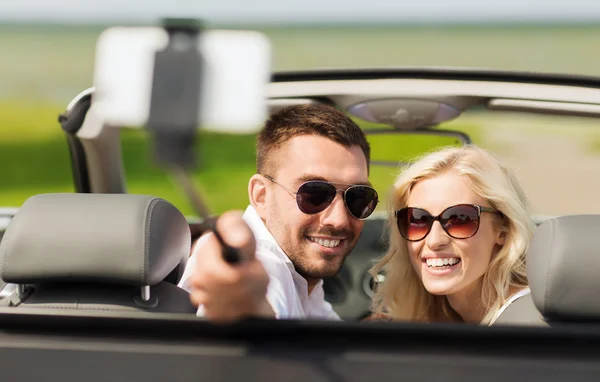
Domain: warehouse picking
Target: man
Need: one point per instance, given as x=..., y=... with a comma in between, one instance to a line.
x=308, y=200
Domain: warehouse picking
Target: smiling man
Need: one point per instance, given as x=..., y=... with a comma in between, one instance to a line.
x=308, y=201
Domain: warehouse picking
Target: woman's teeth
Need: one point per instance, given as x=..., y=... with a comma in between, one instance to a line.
x=442, y=262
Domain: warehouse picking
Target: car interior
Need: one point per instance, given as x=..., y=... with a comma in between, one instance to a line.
x=86, y=323
x=400, y=101
x=136, y=246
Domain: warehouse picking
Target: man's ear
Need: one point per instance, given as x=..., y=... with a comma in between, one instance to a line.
x=257, y=193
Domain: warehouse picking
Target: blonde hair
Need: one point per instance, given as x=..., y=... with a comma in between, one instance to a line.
x=402, y=295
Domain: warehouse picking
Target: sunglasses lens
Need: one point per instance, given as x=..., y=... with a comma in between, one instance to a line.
x=361, y=201
x=414, y=223
x=314, y=197
x=461, y=222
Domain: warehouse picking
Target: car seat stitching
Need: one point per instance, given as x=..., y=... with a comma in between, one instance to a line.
x=78, y=307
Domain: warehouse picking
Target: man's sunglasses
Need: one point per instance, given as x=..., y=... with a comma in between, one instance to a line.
x=460, y=221
x=315, y=196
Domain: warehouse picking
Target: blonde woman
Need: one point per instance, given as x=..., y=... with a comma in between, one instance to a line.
x=459, y=229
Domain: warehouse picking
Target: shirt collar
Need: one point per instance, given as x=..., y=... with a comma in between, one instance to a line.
x=264, y=236
x=258, y=227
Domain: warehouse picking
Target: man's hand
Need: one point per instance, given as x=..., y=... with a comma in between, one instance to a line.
x=230, y=292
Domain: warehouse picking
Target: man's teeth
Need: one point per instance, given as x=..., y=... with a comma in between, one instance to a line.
x=442, y=262
x=325, y=243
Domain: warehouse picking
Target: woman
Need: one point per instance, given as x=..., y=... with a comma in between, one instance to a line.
x=460, y=227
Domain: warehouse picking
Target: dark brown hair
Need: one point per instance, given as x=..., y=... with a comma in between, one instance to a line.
x=312, y=119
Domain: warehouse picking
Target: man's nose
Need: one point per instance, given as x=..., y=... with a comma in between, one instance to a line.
x=336, y=215
x=437, y=237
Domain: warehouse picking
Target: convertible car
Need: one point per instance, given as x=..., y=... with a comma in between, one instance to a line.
x=92, y=295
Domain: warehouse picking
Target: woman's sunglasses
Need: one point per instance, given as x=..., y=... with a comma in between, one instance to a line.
x=315, y=196
x=460, y=221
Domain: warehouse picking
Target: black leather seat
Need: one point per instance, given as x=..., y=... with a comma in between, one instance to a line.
x=105, y=252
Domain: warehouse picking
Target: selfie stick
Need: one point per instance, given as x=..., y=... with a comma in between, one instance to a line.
x=174, y=115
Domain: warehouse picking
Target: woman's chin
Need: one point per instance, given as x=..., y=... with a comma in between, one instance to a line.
x=439, y=288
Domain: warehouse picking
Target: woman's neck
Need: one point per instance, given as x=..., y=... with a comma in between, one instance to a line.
x=467, y=302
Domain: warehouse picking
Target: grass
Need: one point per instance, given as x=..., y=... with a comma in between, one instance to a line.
x=47, y=66
x=57, y=62
x=35, y=159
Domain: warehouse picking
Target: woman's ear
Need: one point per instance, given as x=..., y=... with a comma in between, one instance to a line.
x=501, y=228
x=257, y=193
x=501, y=238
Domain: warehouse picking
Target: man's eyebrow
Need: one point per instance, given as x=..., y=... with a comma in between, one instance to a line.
x=308, y=177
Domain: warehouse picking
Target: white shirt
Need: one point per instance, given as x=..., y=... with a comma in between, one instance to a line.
x=287, y=292
x=513, y=298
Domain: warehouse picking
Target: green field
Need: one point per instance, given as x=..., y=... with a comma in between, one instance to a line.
x=56, y=62
x=44, y=67
x=35, y=159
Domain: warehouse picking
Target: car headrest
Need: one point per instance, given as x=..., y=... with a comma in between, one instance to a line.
x=124, y=239
x=562, y=267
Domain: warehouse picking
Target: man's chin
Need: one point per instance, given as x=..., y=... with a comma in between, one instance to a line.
x=324, y=269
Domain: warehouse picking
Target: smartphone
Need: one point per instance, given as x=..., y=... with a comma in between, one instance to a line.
x=234, y=77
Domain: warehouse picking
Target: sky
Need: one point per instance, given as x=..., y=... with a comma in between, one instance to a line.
x=274, y=11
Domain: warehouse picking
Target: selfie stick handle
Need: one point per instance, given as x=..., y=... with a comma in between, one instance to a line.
x=174, y=114
x=229, y=253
